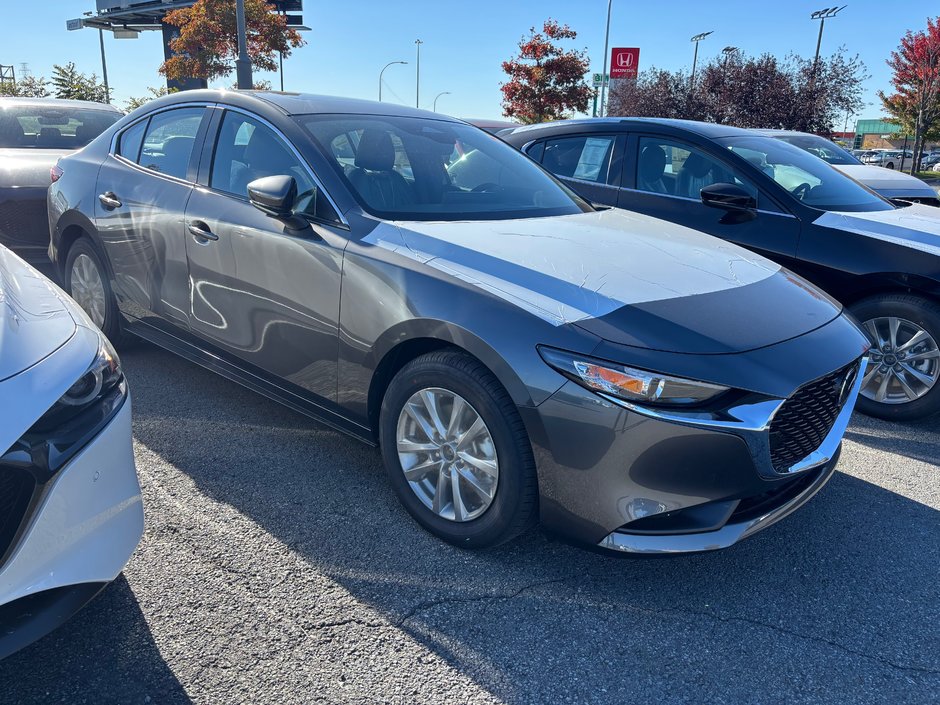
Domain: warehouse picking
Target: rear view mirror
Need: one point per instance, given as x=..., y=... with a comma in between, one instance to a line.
x=729, y=197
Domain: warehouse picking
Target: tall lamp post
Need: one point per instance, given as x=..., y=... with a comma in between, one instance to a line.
x=823, y=15
x=418, y=44
x=438, y=96
x=604, y=70
x=390, y=63
x=242, y=63
x=696, y=39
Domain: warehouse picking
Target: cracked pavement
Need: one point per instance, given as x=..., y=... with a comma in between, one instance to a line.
x=278, y=567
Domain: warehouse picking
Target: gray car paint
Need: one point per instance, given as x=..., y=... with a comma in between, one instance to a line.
x=349, y=303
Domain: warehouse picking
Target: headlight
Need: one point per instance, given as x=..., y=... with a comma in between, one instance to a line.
x=629, y=383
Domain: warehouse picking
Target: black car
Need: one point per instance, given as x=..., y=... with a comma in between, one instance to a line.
x=420, y=284
x=34, y=134
x=880, y=259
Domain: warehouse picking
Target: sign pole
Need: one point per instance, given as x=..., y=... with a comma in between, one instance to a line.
x=604, y=70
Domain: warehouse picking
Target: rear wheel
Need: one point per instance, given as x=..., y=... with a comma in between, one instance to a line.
x=86, y=281
x=456, y=451
x=903, y=377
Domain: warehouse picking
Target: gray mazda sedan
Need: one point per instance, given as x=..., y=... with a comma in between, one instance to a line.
x=414, y=281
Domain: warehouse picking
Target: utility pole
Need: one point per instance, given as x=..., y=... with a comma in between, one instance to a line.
x=418, y=44
x=822, y=16
x=604, y=70
x=242, y=63
x=104, y=68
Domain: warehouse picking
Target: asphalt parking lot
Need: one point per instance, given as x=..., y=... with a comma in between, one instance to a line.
x=277, y=567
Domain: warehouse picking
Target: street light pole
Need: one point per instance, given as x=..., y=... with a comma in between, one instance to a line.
x=604, y=70
x=438, y=96
x=104, y=67
x=242, y=63
x=390, y=63
x=418, y=44
x=696, y=39
x=822, y=16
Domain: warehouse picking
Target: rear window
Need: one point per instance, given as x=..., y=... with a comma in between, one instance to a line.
x=51, y=127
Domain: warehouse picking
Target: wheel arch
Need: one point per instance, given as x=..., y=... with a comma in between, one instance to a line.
x=70, y=227
x=879, y=283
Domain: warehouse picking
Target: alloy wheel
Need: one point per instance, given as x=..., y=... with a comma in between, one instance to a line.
x=447, y=454
x=87, y=288
x=904, y=361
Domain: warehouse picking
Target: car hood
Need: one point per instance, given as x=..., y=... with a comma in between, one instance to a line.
x=28, y=167
x=34, y=318
x=628, y=278
x=880, y=179
x=915, y=226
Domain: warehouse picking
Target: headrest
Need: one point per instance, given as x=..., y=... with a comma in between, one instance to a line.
x=652, y=163
x=376, y=151
x=697, y=165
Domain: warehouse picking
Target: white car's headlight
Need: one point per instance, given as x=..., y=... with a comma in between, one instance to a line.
x=629, y=383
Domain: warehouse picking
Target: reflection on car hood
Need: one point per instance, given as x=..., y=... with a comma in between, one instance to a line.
x=629, y=278
x=34, y=321
x=879, y=179
x=916, y=226
x=28, y=167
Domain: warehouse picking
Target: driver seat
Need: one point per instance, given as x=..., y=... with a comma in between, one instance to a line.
x=374, y=175
x=694, y=176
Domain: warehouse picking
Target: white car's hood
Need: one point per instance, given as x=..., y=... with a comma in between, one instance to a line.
x=34, y=319
x=916, y=226
x=880, y=179
x=626, y=277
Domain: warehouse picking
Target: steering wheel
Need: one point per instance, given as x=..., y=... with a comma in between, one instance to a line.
x=486, y=187
x=802, y=190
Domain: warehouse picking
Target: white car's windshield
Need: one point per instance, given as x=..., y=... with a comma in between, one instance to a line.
x=407, y=168
x=808, y=179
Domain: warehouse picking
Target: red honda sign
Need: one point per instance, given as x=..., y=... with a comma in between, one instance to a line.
x=624, y=62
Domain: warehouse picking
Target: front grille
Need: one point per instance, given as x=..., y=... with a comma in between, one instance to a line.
x=806, y=418
x=16, y=491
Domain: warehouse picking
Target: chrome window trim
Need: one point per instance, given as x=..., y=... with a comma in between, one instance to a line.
x=343, y=223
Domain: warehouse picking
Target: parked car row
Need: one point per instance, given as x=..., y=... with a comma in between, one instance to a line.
x=518, y=353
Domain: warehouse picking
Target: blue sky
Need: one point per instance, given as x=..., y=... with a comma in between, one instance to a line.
x=465, y=42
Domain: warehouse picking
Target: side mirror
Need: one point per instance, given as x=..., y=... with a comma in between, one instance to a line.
x=729, y=197
x=274, y=195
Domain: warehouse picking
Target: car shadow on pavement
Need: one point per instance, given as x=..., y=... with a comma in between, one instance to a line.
x=919, y=440
x=104, y=654
x=837, y=602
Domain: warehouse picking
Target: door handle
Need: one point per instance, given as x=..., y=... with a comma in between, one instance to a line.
x=109, y=200
x=201, y=231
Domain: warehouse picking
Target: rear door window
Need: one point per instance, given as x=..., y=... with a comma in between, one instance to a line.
x=131, y=140
x=169, y=141
x=586, y=158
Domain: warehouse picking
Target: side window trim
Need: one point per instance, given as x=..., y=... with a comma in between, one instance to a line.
x=208, y=156
x=194, y=156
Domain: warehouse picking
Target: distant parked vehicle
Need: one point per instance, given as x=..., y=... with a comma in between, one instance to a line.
x=492, y=126
x=896, y=186
x=888, y=158
x=34, y=134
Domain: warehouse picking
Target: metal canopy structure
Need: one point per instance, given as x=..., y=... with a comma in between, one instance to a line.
x=127, y=17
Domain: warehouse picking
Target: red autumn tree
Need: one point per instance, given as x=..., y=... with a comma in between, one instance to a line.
x=545, y=81
x=915, y=104
x=208, y=42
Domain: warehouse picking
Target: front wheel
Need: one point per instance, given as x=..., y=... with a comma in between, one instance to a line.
x=903, y=378
x=456, y=451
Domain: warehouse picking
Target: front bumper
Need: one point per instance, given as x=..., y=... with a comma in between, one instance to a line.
x=79, y=538
x=630, y=479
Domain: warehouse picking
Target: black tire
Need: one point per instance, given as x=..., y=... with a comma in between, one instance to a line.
x=924, y=313
x=514, y=504
x=112, y=317
x=890, y=165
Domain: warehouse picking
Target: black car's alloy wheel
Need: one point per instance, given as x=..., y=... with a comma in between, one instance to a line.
x=903, y=377
x=456, y=451
x=86, y=281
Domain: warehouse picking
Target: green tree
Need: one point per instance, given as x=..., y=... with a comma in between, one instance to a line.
x=134, y=103
x=29, y=87
x=69, y=82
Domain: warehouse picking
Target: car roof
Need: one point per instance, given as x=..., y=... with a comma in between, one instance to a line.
x=59, y=103
x=303, y=103
x=769, y=132
x=708, y=130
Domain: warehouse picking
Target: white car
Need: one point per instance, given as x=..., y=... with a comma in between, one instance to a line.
x=70, y=505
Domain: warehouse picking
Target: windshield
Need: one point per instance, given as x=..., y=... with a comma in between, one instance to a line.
x=805, y=177
x=405, y=168
x=52, y=127
x=820, y=147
